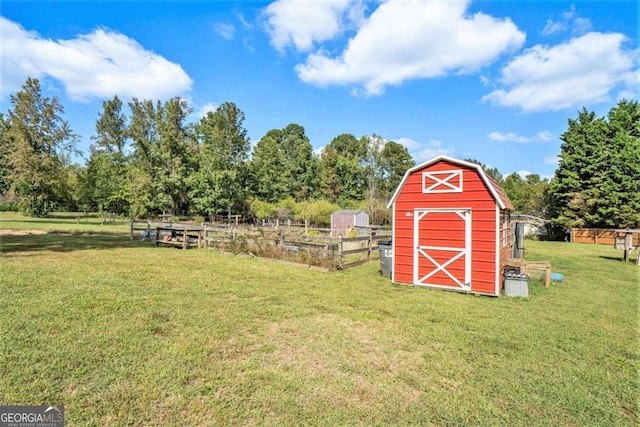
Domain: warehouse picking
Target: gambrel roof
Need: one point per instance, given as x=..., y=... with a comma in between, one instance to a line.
x=494, y=188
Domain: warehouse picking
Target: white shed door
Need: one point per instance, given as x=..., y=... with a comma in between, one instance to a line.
x=442, y=248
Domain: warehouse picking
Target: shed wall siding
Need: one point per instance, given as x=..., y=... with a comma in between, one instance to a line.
x=475, y=196
x=362, y=219
x=342, y=222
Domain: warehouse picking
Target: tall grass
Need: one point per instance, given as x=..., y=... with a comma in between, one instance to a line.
x=123, y=333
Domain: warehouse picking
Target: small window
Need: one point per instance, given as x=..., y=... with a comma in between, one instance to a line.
x=442, y=182
x=505, y=228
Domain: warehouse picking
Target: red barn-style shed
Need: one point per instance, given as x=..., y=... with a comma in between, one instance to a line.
x=451, y=227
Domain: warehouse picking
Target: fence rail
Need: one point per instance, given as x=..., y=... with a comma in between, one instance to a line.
x=599, y=236
x=313, y=246
x=338, y=252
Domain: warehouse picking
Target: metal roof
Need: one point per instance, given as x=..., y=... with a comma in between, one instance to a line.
x=348, y=212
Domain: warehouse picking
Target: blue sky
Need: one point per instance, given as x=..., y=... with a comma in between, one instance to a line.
x=491, y=80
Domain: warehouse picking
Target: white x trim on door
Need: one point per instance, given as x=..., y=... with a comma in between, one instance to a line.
x=454, y=253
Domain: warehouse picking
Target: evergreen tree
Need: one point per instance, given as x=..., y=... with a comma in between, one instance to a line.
x=597, y=183
x=621, y=188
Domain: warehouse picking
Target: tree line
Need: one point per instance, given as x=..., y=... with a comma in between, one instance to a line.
x=154, y=160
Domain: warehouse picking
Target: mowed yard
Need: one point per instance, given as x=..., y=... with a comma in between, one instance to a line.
x=123, y=333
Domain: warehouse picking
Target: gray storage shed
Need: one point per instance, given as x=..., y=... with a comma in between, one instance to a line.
x=347, y=219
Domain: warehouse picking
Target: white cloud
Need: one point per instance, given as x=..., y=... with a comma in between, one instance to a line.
x=100, y=64
x=305, y=23
x=204, y=109
x=584, y=70
x=410, y=39
x=524, y=173
x=408, y=143
x=570, y=21
x=551, y=160
x=543, y=136
x=422, y=152
x=246, y=25
x=226, y=31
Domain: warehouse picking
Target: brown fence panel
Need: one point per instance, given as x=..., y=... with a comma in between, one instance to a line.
x=599, y=236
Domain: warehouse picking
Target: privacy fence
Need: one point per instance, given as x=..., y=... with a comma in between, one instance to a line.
x=599, y=236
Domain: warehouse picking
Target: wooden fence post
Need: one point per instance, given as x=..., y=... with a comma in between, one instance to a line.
x=131, y=228
x=204, y=235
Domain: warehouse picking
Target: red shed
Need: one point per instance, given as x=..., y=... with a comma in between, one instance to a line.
x=450, y=227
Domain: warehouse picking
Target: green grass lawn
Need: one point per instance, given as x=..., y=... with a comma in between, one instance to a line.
x=123, y=333
x=76, y=222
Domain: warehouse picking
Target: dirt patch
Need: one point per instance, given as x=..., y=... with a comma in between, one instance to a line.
x=21, y=232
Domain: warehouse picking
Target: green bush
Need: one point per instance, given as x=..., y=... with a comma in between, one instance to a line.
x=9, y=207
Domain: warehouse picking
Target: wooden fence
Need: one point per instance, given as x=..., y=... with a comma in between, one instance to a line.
x=305, y=245
x=311, y=246
x=599, y=236
x=143, y=229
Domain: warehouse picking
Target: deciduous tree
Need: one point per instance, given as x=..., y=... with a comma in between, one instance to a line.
x=105, y=177
x=342, y=165
x=528, y=195
x=5, y=167
x=284, y=165
x=172, y=156
x=220, y=183
x=395, y=160
x=37, y=138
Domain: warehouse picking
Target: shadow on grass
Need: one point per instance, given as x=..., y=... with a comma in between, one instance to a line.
x=611, y=258
x=66, y=242
x=52, y=221
x=45, y=221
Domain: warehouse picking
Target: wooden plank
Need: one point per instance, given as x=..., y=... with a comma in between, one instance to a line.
x=169, y=242
x=304, y=244
x=355, y=251
x=539, y=265
x=355, y=239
